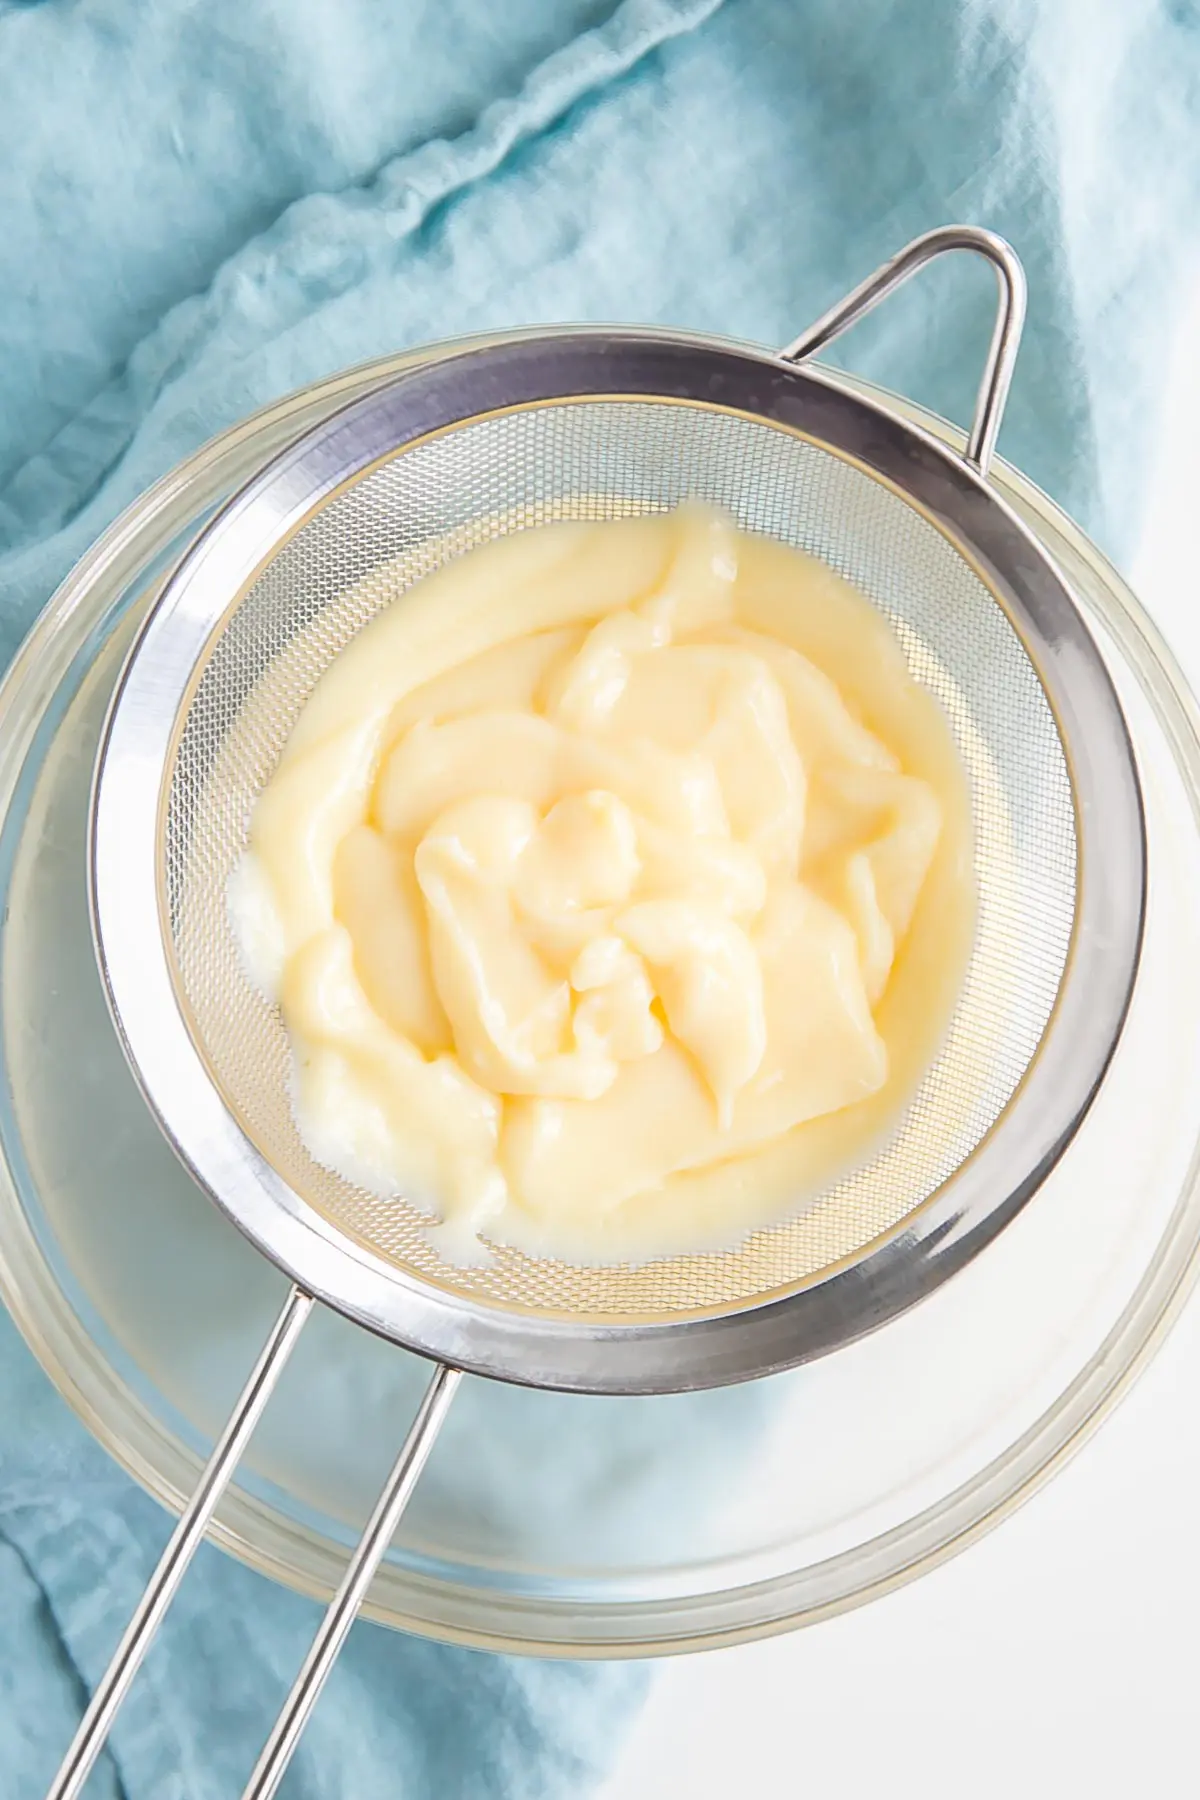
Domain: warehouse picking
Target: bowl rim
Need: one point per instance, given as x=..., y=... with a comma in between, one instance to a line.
x=163, y=1464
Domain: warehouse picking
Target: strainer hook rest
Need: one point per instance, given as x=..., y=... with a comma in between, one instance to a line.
x=1006, y=332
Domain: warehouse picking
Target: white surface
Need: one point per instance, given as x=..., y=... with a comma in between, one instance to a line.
x=1058, y=1657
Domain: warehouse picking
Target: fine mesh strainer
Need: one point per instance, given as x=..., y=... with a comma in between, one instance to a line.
x=588, y=424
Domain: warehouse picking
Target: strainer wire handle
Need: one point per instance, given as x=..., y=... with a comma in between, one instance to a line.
x=352, y=1590
x=1006, y=333
x=183, y=1543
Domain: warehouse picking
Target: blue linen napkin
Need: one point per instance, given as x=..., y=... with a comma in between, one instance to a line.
x=202, y=207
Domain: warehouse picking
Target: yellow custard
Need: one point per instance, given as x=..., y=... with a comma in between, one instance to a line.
x=615, y=887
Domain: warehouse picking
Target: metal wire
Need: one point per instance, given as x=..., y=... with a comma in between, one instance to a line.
x=597, y=459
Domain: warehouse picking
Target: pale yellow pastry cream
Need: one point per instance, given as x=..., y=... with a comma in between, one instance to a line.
x=615, y=887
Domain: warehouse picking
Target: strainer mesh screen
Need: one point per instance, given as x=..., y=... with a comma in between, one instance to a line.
x=599, y=459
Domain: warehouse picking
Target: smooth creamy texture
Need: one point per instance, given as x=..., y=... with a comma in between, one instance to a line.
x=581, y=888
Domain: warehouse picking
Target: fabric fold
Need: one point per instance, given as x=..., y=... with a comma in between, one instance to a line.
x=313, y=252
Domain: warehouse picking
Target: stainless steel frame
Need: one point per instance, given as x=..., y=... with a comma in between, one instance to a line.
x=936, y=1240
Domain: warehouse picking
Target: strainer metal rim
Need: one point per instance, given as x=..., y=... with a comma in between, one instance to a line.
x=605, y=1356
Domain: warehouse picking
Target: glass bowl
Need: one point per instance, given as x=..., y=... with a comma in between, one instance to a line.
x=549, y=1523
